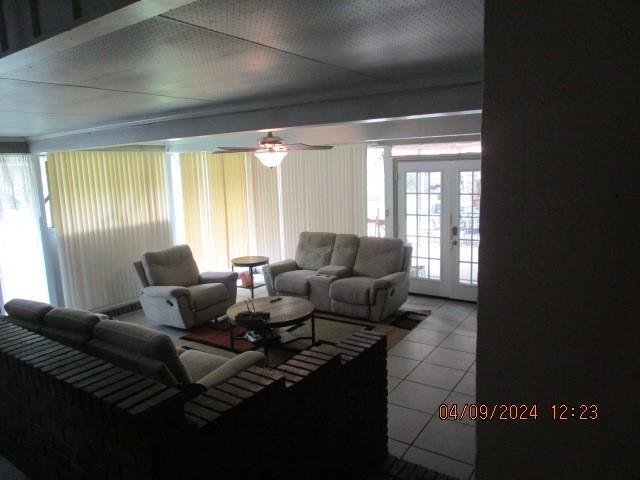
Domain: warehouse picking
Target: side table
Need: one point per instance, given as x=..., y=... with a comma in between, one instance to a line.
x=251, y=262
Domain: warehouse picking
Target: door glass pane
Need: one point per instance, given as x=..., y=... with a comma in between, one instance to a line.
x=434, y=248
x=412, y=225
x=465, y=250
x=464, y=275
x=435, y=182
x=420, y=269
x=469, y=226
x=423, y=204
x=411, y=203
x=434, y=205
x=466, y=182
x=422, y=215
x=410, y=182
x=423, y=182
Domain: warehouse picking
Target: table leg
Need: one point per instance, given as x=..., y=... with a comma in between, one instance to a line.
x=251, y=277
x=313, y=329
x=231, y=339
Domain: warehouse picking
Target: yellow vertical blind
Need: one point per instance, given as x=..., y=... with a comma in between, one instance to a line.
x=264, y=210
x=108, y=208
x=214, y=190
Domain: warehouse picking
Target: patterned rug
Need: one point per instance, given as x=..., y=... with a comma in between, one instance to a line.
x=330, y=328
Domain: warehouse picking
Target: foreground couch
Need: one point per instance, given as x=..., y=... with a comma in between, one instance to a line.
x=67, y=414
x=365, y=277
x=173, y=292
x=136, y=348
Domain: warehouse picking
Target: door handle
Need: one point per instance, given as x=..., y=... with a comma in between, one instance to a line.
x=453, y=233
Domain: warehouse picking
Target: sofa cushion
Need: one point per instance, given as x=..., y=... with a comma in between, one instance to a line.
x=314, y=250
x=296, y=281
x=345, y=249
x=70, y=326
x=27, y=313
x=378, y=257
x=208, y=294
x=173, y=266
x=139, y=349
x=352, y=290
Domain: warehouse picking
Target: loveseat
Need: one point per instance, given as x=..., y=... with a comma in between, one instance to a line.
x=139, y=349
x=361, y=277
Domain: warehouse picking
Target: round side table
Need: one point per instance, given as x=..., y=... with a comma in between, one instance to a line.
x=251, y=262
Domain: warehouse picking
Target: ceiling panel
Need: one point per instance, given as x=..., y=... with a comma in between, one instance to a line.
x=388, y=39
x=163, y=57
x=24, y=96
x=29, y=124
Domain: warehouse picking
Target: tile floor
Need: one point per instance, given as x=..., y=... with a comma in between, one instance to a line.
x=432, y=365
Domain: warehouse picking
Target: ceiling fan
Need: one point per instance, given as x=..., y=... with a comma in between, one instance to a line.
x=271, y=151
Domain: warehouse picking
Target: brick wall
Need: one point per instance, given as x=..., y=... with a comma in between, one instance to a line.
x=68, y=415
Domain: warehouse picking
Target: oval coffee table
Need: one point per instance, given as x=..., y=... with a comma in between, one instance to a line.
x=286, y=312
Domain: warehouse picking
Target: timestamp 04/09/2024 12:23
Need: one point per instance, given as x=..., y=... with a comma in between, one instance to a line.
x=523, y=412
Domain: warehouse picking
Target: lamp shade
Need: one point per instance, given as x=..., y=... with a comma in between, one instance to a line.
x=271, y=159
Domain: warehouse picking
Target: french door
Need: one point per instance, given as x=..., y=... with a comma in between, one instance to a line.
x=439, y=215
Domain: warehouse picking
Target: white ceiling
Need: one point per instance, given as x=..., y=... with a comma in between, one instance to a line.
x=229, y=54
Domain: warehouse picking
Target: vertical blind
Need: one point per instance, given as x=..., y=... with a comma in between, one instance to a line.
x=264, y=211
x=108, y=208
x=323, y=191
x=215, y=206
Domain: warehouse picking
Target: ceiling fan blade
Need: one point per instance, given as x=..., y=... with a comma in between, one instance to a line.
x=303, y=146
x=237, y=149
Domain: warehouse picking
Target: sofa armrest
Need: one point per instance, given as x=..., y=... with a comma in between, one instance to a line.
x=272, y=270
x=166, y=292
x=232, y=368
x=335, y=271
x=226, y=278
x=387, y=282
x=277, y=268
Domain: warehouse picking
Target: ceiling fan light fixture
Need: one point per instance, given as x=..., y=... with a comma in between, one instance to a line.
x=271, y=158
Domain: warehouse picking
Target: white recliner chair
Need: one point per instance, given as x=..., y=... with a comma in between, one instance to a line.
x=173, y=291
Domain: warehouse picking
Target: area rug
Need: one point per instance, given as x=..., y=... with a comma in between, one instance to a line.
x=330, y=328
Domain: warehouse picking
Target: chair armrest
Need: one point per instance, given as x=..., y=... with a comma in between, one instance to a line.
x=219, y=277
x=336, y=271
x=232, y=368
x=166, y=292
x=387, y=282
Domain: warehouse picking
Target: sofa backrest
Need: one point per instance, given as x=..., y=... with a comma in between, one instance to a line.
x=345, y=249
x=27, y=313
x=378, y=257
x=138, y=349
x=174, y=266
x=314, y=250
x=70, y=326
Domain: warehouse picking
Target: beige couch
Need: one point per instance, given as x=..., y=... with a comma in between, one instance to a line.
x=362, y=277
x=133, y=347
